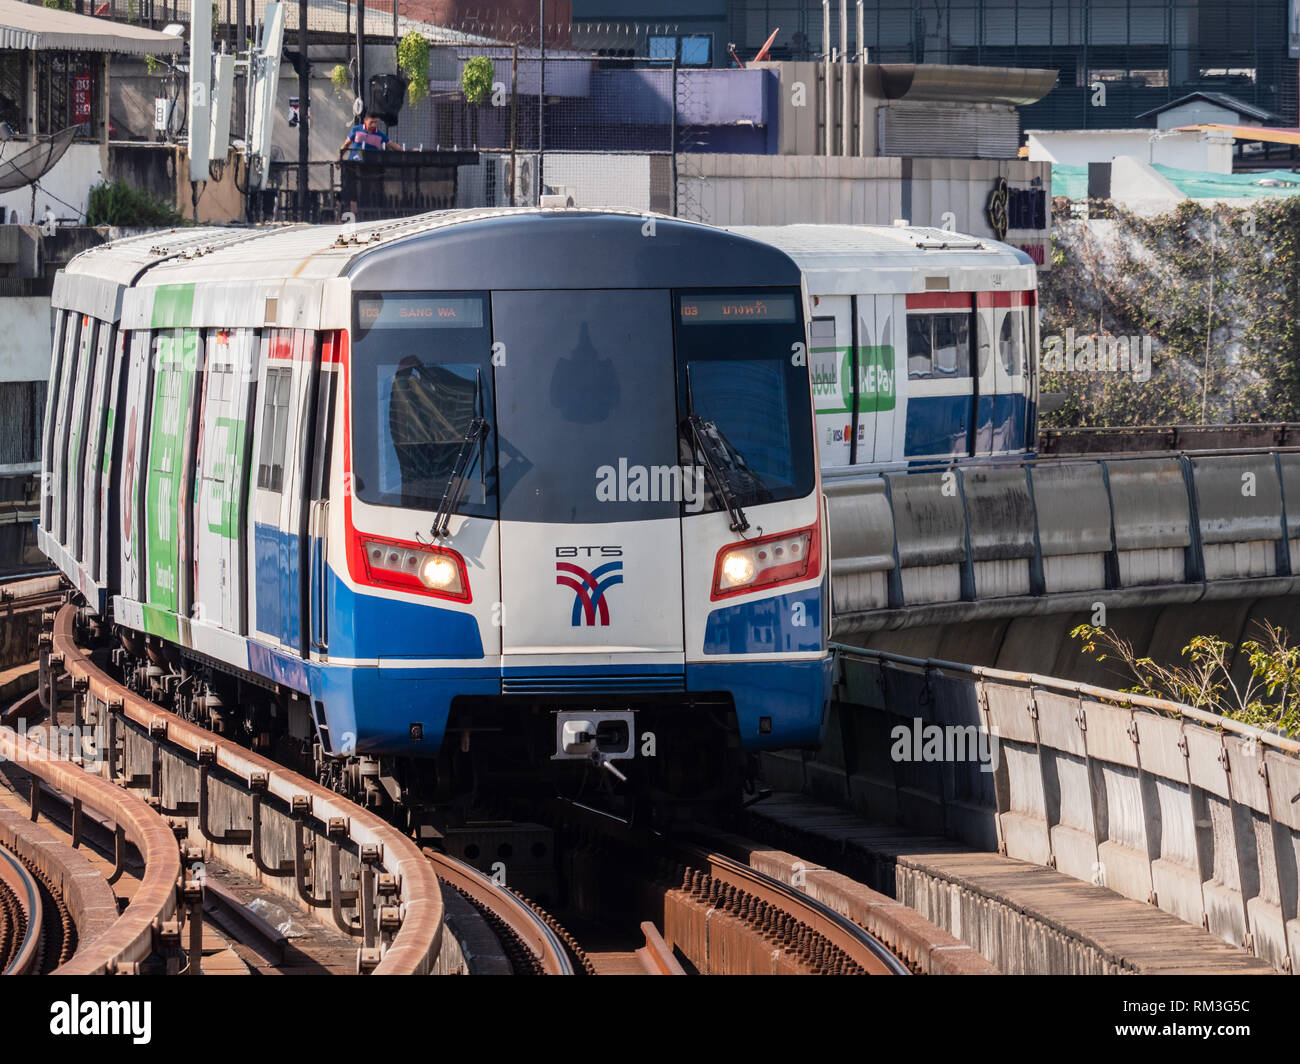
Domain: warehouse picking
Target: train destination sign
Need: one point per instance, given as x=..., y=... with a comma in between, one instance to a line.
x=419, y=312
x=713, y=310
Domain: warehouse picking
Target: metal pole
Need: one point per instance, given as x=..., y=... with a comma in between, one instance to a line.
x=862, y=83
x=826, y=70
x=241, y=48
x=844, y=77
x=514, y=116
x=361, y=53
x=672, y=141
x=304, y=101
x=541, y=93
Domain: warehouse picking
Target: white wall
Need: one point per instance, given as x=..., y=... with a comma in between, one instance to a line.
x=602, y=180
x=1207, y=151
x=25, y=326
x=80, y=169
x=788, y=189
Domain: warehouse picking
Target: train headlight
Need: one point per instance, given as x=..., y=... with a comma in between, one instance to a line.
x=737, y=569
x=422, y=568
x=765, y=562
x=439, y=572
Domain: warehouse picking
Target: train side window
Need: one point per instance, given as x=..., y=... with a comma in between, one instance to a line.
x=1011, y=342
x=275, y=429
x=984, y=343
x=952, y=345
x=919, y=345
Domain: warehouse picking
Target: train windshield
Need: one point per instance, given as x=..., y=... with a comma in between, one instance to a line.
x=421, y=382
x=739, y=376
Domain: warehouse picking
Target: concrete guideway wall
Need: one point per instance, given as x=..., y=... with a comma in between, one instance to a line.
x=1049, y=536
x=1164, y=804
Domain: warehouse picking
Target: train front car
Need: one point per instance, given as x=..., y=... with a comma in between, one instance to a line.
x=578, y=522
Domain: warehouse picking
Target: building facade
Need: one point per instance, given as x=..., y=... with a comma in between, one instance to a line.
x=1117, y=58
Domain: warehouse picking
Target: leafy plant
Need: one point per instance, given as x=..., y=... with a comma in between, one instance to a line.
x=152, y=63
x=1213, y=288
x=413, y=62
x=121, y=204
x=58, y=5
x=476, y=79
x=340, y=79
x=1270, y=697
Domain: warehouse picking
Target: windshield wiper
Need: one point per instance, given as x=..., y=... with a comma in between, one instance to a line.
x=475, y=434
x=705, y=434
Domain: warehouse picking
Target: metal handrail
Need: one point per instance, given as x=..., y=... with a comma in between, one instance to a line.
x=1080, y=690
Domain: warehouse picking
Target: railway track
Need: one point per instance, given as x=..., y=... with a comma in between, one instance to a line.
x=701, y=911
x=361, y=877
x=353, y=868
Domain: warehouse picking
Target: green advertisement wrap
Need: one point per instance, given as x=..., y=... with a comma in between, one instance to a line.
x=175, y=357
x=832, y=376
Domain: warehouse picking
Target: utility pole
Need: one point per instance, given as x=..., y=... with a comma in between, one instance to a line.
x=304, y=103
x=361, y=54
x=541, y=93
x=514, y=115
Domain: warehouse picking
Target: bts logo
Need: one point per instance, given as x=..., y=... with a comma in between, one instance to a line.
x=589, y=586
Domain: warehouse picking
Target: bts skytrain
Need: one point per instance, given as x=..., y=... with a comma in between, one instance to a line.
x=504, y=494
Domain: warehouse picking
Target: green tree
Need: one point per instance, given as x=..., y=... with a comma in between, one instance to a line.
x=1269, y=697
x=121, y=204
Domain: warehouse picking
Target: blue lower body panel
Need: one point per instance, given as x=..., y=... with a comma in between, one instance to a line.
x=793, y=695
x=404, y=711
x=372, y=710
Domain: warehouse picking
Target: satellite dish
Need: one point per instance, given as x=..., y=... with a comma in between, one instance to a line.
x=34, y=161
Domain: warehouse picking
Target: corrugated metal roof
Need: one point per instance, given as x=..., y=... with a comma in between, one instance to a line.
x=28, y=27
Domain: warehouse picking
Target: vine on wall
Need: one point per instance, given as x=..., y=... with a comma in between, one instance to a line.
x=1212, y=290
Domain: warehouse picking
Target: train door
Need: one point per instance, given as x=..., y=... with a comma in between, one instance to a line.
x=878, y=378
x=941, y=390
x=77, y=417
x=222, y=462
x=591, y=542
x=63, y=322
x=986, y=327
x=278, y=510
x=58, y=467
x=93, y=448
x=167, y=477
x=134, y=436
x=833, y=362
x=110, y=480
x=1009, y=349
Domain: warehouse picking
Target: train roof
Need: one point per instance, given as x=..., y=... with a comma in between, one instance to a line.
x=273, y=276
x=301, y=275
x=852, y=259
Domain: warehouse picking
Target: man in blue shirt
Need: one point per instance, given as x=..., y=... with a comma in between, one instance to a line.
x=364, y=143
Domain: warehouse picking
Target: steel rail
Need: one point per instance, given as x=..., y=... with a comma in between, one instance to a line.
x=536, y=935
x=857, y=943
x=22, y=884
x=655, y=956
x=414, y=947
